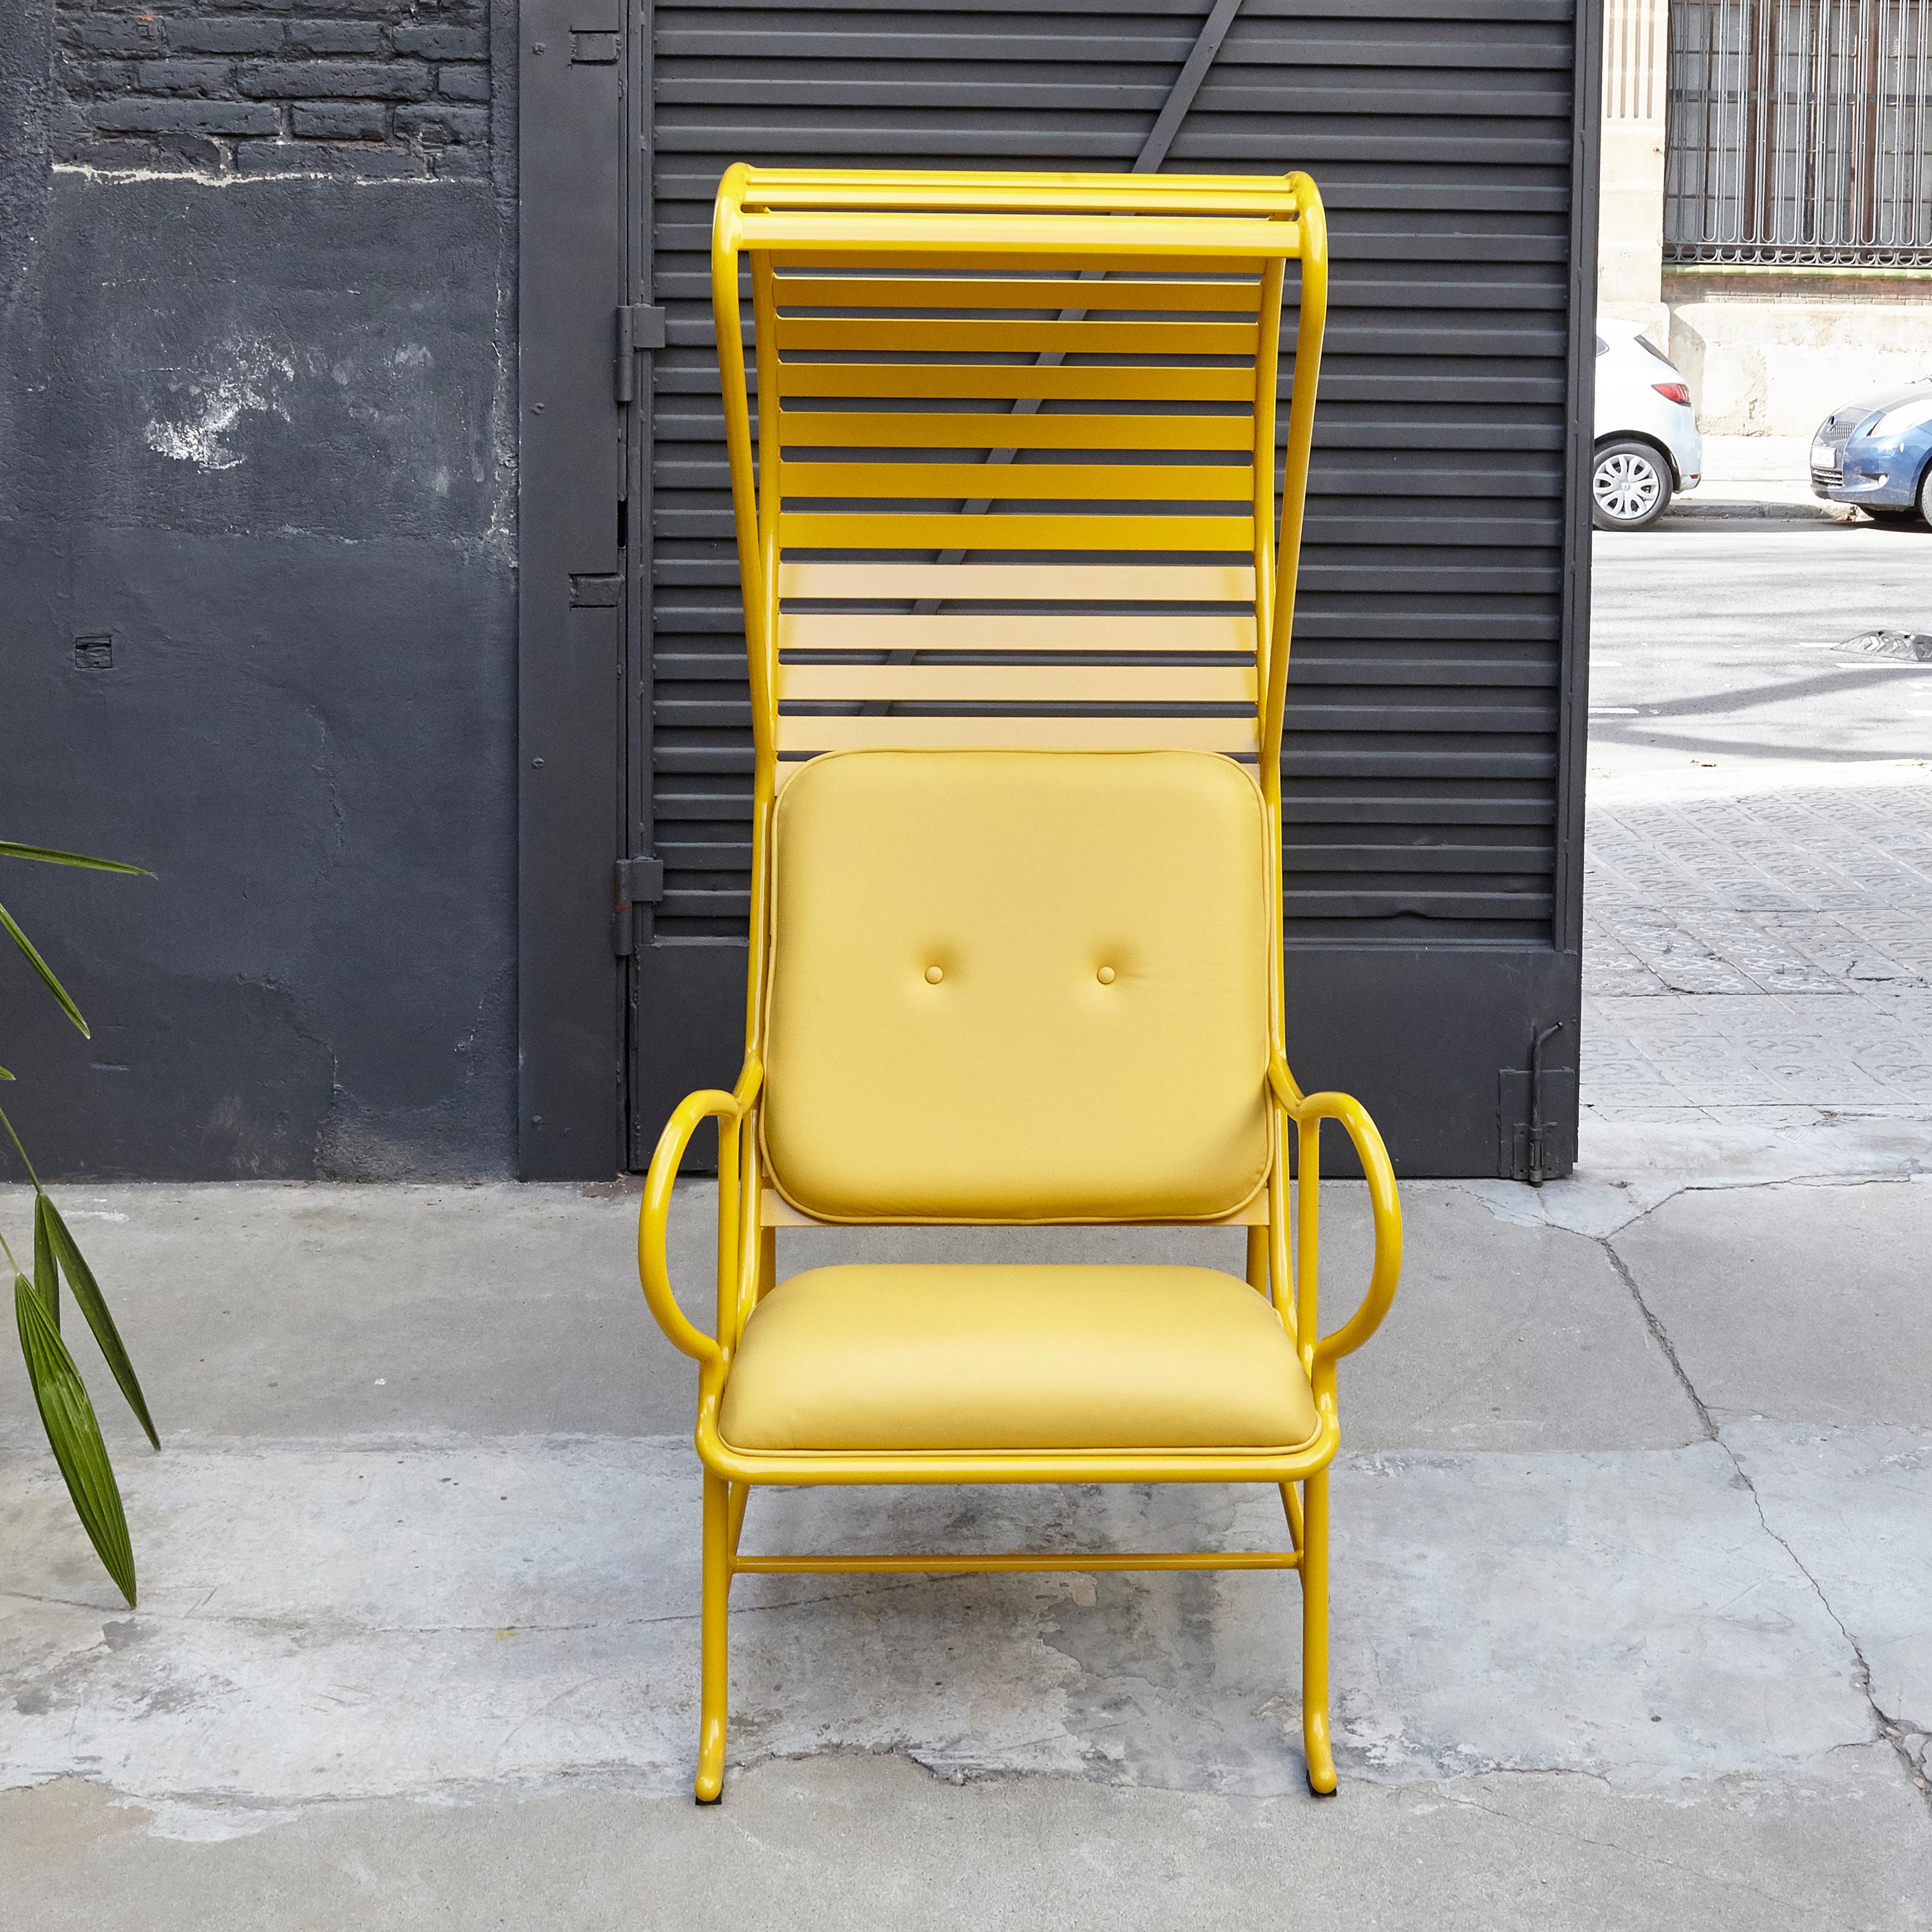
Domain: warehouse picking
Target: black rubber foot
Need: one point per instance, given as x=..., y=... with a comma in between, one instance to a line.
x=708, y=1801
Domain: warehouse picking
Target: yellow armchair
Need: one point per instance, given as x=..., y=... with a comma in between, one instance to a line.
x=1018, y=607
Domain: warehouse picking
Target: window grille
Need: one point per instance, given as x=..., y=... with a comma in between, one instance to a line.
x=1800, y=132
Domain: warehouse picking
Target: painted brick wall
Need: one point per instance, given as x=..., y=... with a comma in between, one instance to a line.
x=372, y=89
x=258, y=502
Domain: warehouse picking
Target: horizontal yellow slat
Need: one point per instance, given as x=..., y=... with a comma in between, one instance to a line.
x=934, y=189
x=1000, y=337
x=852, y=429
x=978, y=382
x=1087, y=482
x=1006, y=1562
x=1012, y=630
x=813, y=530
x=1055, y=237
x=1093, y=583
x=928, y=260
x=1017, y=684
x=1054, y=291
x=775, y=1211
x=1018, y=734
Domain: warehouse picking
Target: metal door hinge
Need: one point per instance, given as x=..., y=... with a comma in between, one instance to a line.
x=639, y=882
x=640, y=325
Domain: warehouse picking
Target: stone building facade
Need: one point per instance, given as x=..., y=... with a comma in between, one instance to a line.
x=1771, y=338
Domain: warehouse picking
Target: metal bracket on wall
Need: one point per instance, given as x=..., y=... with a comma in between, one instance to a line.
x=638, y=882
x=640, y=325
x=1534, y=1106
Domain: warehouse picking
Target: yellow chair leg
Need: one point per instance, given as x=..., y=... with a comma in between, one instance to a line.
x=713, y=1674
x=1315, y=1634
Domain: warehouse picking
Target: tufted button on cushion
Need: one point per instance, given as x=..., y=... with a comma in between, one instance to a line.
x=1101, y=1049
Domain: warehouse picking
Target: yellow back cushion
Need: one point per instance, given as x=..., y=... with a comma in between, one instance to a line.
x=1018, y=986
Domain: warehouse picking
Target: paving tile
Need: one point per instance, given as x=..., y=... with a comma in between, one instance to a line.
x=1610, y=966
x=1631, y=1112
x=1675, y=955
x=1758, y=952
x=1745, y=943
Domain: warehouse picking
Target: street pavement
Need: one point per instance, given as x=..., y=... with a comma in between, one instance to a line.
x=1633, y=1517
x=1758, y=895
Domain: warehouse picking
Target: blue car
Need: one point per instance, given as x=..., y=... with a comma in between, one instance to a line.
x=1878, y=454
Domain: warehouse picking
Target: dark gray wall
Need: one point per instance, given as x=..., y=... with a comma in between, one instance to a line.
x=257, y=425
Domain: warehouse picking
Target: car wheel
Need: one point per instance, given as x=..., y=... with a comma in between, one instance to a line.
x=1630, y=488
x=1925, y=494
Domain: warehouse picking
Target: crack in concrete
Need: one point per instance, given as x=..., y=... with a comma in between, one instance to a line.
x=1706, y=1420
x=1894, y=1732
x=1905, y=1169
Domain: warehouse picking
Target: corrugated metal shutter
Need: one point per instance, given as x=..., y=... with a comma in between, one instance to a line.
x=1424, y=758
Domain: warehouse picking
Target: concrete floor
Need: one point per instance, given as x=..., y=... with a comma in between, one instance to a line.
x=1634, y=1519
x=1634, y=1537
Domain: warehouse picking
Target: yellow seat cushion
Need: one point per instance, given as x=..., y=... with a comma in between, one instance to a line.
x=913, y=1357
x=1018, y=986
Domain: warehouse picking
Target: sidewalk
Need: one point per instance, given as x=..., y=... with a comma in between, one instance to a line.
x=1630, y=1607
x=1757, y=952
x=1766, y=477
x=1765, y=959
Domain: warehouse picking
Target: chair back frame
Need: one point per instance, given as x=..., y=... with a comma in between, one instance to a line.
x=944, y=278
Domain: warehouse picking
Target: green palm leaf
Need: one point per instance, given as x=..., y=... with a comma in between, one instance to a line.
x=94, y=1305
x=46, y=972
x=75, y=1435
x=46, y=1276
x=48, y=856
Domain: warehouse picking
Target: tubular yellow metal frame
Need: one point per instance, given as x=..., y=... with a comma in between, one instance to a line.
x=965, y=245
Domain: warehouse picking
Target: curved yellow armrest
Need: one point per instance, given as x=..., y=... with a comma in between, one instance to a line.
x=1307, y=1110
x=653, y=1222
